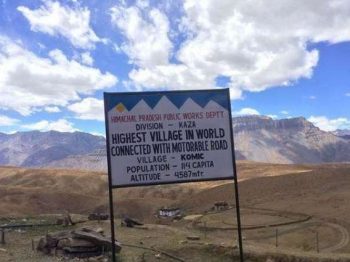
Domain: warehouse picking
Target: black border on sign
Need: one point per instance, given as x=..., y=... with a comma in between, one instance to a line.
x=169, y=91
x=225, y=90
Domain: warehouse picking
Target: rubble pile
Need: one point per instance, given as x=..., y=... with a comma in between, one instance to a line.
x=84, y=242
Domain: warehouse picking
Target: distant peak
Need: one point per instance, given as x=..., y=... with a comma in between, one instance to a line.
x=254, y=122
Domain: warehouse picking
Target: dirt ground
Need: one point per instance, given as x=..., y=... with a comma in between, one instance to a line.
x=218, y=241
x=307, y=207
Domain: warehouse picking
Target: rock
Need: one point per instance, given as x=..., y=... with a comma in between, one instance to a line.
x=99, y=230
x=131, y=222
x=193, y=237
x=83, y=242
x=63, y=243
x=97, y=239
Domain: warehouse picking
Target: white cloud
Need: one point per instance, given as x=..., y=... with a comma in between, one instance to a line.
x=148, y=43
x=312, y=97
x=87, y=59
x=284, y=112
x=61, y=125
x=42, y=46
x=52, y=109
x=89, y=108
x=327, y=124
x=57, y=20
x=117, y=48
x=347, y=94
x=254, y=44
x=7, y=121
x=11, y=132
x=98, y=134
x=148, y=46
x=273, y=116
x=28, y=82
x=247, y=111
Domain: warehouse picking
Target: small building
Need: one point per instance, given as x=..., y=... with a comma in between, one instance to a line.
x=221, y=205
x=98, y=216
x=169, y=212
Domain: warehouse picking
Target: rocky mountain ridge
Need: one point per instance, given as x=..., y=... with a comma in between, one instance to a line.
x=35, y=148
x=257, y=138
x=293, y=140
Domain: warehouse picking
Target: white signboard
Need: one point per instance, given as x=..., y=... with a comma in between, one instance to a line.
x=168, y=137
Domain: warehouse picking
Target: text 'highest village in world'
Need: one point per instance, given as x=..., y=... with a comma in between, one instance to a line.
x=151, y=143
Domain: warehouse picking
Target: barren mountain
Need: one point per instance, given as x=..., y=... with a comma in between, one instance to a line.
x=261, y=139
x=295, y=140
x=40, y=148
x=344, y=133
x=257, y=138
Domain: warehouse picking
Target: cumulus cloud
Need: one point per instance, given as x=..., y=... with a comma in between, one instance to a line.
x=52, y=109
x=284, y=112
x=29, y=82
x=89, y=109
x=247, y=111
x=148, y=44
x=87, y=59
x=61, y=125
x=347, y=94
x=7, y=121
x=254, y=44
x=57, y=20
x=327, y=124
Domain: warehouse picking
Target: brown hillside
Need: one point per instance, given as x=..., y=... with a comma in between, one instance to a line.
x=36, y=191
x=323, y=192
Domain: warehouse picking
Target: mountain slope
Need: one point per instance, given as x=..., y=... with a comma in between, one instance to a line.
x=257, y=138
x=260, y=139
x=40, y=148
x=343, y=133
x=292, y=140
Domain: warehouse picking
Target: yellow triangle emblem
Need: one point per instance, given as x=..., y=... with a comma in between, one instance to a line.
x=120, y=108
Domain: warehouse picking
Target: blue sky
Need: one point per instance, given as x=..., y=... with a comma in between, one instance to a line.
x=284, y=60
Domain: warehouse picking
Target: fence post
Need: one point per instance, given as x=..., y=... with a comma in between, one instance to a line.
x=2, y=237
x=276, y=237
x=317, y=244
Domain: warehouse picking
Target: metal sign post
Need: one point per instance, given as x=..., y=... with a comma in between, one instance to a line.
x=238, y=212
x=110, y=188
x=169, y=137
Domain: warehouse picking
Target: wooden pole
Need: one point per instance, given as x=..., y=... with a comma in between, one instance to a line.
x=317, y=244
x=276, y=237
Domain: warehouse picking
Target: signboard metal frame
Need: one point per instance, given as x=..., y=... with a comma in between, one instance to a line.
x=234, y=171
